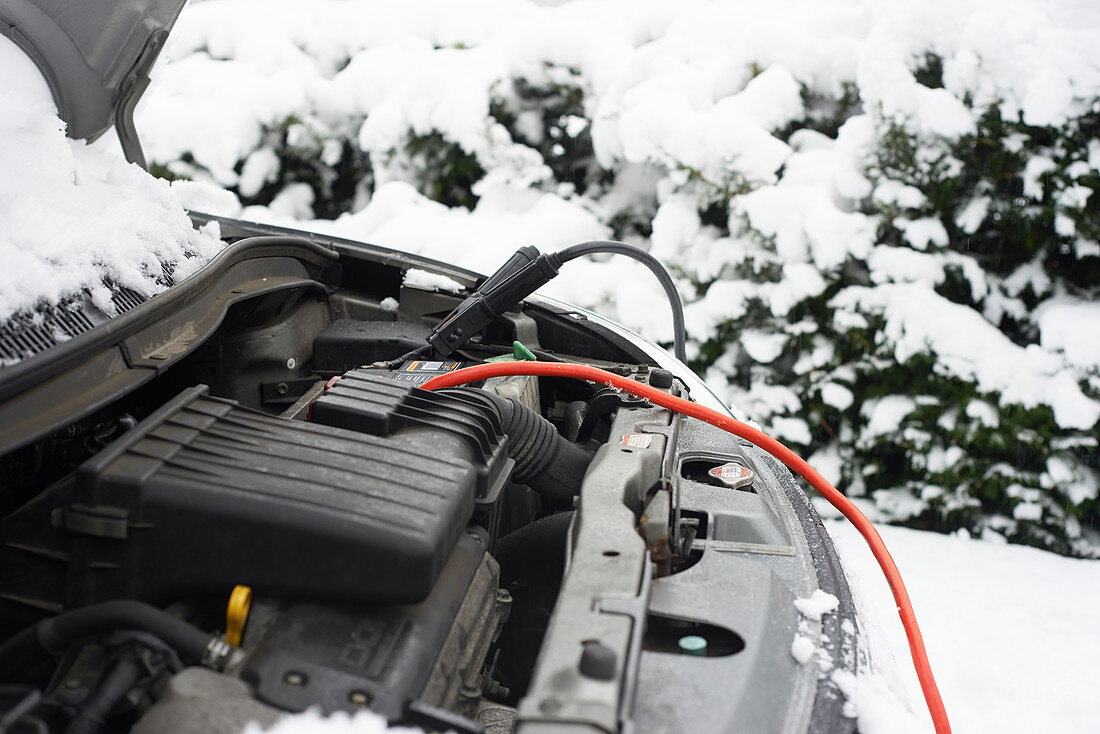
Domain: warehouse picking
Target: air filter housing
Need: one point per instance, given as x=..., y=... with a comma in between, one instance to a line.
x=205, y=494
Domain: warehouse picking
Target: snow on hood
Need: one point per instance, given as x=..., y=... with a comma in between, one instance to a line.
x=74, y=215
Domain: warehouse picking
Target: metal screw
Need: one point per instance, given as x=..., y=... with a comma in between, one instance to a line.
x=494, y=688
x=294, y=678
x=359, y=698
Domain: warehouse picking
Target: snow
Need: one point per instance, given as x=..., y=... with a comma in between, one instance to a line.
x=668, y=92
x=1027, y=511
x=72, y=215
x=1079, y=483
x=920, y=233
x=761, y=346
x=898, y=503
x=895, y=193
x=398, y=216
x=666, y=87
x=837, y=396
x=828, y=463
x=260, y=168
x=975, y=349
x=819, y=603
x=903, y=265
x=1036, y=167
x=1072, y=327
x=312, y=722
x=418, y=278
x=885, y=414
x=793, y=430
x=802, y=649
x=1008, y=631
x=971, y=216
x=984, y=413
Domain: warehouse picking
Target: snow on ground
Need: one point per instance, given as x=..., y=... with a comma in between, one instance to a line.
x=1010, y=632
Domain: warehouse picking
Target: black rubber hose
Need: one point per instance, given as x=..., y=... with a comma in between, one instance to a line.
x=545, y=461
x=535, y=548
x=116, y=684
x=51, y=637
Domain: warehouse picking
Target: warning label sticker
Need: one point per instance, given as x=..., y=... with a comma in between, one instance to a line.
x=637, y=440
x=425, y=366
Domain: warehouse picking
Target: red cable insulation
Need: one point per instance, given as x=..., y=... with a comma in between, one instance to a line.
x=769, y=444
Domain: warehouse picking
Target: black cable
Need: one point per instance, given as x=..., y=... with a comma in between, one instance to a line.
x=397, y=362
x=51, y=637
x=525, y=272
x=113, y=688
x=655, y=266
x=497, y=351
x=546, y=356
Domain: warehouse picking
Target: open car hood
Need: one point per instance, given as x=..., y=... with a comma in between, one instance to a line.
x=95, y=57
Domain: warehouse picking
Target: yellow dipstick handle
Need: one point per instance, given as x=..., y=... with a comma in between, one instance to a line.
x=236, y=614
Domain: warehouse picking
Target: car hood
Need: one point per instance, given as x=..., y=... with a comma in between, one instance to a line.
x=95, y=57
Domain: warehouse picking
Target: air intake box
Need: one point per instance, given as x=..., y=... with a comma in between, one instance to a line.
x=205, y=494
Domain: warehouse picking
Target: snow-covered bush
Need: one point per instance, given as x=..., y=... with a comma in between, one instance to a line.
x=885, y=223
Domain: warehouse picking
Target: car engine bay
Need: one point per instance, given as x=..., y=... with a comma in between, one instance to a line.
x=282, y=520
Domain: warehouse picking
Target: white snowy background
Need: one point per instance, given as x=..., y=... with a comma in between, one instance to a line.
x=688, y=104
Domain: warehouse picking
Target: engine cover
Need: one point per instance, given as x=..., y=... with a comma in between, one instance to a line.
x=395, y=659
x=205, y=494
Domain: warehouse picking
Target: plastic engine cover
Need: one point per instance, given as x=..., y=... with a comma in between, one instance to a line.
x=205, y=494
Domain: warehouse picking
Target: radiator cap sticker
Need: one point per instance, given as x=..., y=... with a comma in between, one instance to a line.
x=732, y=474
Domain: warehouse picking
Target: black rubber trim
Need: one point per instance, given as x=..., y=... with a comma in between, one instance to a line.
x=238, y=228
x=73, y=379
